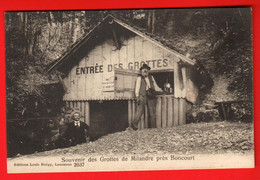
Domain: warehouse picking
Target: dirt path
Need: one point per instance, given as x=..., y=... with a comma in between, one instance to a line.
x=199, y=138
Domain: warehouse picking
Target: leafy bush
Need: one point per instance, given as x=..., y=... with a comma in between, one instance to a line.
x=26, y=137
x=243, y=112
x=203, y=116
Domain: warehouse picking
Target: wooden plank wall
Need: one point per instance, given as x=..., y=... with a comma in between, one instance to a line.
x=135, y=50
x=170, y=111
x=83, y=107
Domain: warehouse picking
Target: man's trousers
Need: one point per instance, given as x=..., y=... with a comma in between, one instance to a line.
x=151, y=104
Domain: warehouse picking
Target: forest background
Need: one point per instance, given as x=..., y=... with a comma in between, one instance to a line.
x=219, y=38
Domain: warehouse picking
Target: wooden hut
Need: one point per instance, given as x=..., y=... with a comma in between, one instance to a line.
x=100, y=72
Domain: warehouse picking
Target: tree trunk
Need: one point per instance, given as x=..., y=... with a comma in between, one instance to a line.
x=25, y=30
x=151, y=21
x=75, y=28
x=148, y=26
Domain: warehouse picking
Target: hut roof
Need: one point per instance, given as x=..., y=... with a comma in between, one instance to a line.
x=159, y=41
x=152, y=38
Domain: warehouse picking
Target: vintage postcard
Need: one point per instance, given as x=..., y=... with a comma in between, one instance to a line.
x=123, y=90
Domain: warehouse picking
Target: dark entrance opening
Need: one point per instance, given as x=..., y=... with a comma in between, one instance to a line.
x=107, y=117
x=163, y=77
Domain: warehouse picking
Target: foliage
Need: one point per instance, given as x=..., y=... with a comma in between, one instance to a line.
x=219, y=38
x=27, y=137
x=211, y=115
x=38, y=134
x=243, y=112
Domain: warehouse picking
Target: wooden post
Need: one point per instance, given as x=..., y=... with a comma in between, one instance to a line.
x=129, y=112
x=158, y=112
x=83, y=110
x=176, y=76
x=67, y=104
x=139, y=124
x=228, y=111
x=133, y=105
x=164, y=112
x=71, y=104
x=87, y=113
x=182, y=112
x=170, y=119
x=62, y=83
x=224, y=111
x=78, y=105
x=184, y=79
x=146, y=117
x=176, y=112
x=142, y=122
x=117, y=42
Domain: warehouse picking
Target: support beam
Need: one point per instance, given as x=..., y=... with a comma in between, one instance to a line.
x=87, y=113
x=182, y=112
x=228, y=111
x=83, y=110
x=146, y=118
x=78, y=105
x=139, y=124
x=130, y=113
x=117, y=42
x=159, y=113
x=224, y=111
x=170, y=110
x=62, y=83
x=176, y=112
x=177, y=83
x=184, y=80
x=133, y=105
x=71, y=104
x=142, y=122
x=164, y=112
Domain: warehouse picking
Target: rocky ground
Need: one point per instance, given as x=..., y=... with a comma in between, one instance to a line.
x=199, y=138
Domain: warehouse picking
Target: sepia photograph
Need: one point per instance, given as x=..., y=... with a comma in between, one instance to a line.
x=125, y=90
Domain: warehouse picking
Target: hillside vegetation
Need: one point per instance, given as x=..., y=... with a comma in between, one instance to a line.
x=218, y=38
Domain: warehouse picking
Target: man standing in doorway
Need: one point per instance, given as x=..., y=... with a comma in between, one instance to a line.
x=143, y=84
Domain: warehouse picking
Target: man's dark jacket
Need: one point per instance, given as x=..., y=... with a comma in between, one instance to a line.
x=76, y=134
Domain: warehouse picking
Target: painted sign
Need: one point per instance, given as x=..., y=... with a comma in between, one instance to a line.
x=159, y=63
x=108, y=86
x=89, y=69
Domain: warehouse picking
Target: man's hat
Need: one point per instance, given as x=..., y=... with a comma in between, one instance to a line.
x=75, y=112
x=145, y=66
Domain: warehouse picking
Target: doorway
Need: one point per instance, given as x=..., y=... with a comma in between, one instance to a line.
x=107, y=117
